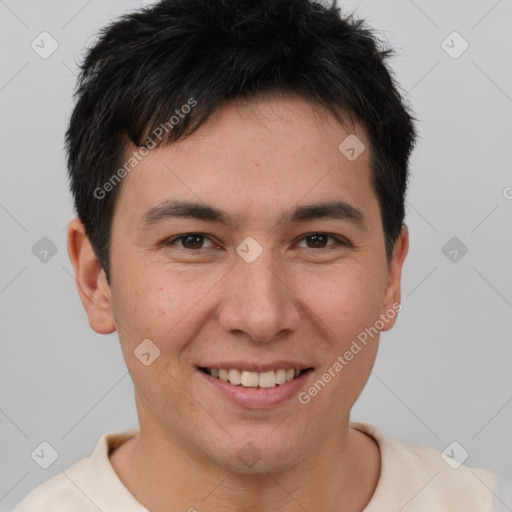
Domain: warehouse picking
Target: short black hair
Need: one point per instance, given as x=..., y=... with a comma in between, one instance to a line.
x=147, y=65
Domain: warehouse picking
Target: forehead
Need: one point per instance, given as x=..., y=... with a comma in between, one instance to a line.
x=253, y=155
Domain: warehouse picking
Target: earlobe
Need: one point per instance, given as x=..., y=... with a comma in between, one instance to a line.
x=90, y=279
x=393, y=293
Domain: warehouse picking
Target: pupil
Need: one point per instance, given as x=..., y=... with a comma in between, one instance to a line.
x=192, y=237
x=316, y=238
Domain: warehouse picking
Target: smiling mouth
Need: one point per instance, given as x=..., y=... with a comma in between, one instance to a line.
x=255, y=380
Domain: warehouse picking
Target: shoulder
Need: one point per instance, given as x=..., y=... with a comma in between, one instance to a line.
x=88, y=485
x=417, y=478
x=59, y=493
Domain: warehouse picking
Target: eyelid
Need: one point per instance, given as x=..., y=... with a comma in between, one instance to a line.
x=339, y=240
x=171, y=241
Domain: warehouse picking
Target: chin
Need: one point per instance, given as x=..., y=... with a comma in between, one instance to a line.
x=259, y=455
x=261, y=466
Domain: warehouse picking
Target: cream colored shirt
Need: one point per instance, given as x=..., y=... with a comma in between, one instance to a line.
x=412, y=479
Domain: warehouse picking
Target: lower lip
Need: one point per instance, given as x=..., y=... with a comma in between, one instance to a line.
x=257, y=398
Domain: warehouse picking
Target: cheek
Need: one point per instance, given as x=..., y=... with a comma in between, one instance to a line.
x=150, y=309
x=164, y=305
x=146, y=306
x=349, y=301
x=346, y=308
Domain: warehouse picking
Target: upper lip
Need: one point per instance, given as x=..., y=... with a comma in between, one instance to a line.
x=256, y=367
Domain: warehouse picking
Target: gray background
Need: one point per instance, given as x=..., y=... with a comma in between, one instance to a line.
x=443, y=373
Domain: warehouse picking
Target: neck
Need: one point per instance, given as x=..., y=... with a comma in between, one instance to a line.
x=160, y=469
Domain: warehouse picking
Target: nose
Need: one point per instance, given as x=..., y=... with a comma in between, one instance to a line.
x=259, y=300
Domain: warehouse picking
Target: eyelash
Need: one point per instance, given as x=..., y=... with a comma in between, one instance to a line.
x=339, y=241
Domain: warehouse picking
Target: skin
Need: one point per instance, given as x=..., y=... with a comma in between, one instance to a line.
x=256, y=159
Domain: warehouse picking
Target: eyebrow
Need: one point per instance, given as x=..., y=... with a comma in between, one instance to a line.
x=178, y=208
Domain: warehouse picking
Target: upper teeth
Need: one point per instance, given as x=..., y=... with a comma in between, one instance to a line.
x=254, y=379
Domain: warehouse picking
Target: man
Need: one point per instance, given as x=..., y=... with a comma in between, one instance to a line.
x=239, y=171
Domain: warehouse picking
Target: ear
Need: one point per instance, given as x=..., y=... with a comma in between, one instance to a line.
x=90, y=280
x=392, y=294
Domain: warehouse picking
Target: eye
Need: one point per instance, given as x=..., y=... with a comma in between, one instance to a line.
x=319, y=241
x=196, y=241
x=192, y=241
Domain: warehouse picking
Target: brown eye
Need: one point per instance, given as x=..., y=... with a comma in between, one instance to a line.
x=192, y=241
x=319, y=241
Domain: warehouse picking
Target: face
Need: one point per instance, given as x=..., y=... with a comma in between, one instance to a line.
x=252, y=279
